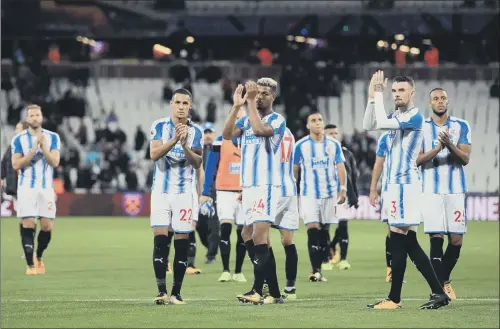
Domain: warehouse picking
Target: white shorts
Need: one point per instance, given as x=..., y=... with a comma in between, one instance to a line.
x=342, y=212
x=444, y=214
x=229, y=208
x=384, y=216
x=172, y=210
x=288, y=214
x=196, y=208
x=36, y=203
x=317, y=210
x=403, y=204
x=260, y=203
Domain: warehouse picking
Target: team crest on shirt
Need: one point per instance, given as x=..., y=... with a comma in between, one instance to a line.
x=330, y=151
x=132, y=203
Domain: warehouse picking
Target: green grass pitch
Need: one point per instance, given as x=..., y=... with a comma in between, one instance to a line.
x=99, y=274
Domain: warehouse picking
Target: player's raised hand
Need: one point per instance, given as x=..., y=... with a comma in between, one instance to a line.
x=371, y=90
x=251, y=90
x=238, y=98
x=378, y=81
x=373, y=197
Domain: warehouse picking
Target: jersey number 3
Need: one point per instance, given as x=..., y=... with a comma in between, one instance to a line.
x=286, y=149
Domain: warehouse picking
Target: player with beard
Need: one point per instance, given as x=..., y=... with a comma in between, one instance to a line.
x=35, y=154
x=445, y=151
x=404, y=186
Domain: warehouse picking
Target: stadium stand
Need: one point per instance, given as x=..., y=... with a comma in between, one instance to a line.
x=138, y=102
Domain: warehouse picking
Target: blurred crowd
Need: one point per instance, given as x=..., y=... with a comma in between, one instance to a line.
x=97, y=155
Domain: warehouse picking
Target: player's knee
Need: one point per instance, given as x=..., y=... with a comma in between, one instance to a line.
x=286, y=238
x=313, y=225
x=29, y=222
x=400, y=230
x=161, y=242
x=246, y=233
x=437, y=236
x=181, y=236
x=160, y=231
x=456, y=239
x=46, y=224
x=261, y=232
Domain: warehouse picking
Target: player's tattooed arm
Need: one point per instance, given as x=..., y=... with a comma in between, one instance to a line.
x=230, y=130
x=259, y=128
x=461, y=152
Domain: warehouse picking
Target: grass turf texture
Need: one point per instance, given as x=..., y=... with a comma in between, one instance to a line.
x=99, y=274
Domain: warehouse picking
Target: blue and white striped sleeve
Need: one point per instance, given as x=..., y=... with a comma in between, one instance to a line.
x=241, y=123
x=55, y=143
x=414, y=122
x=156, y=130
x=465, y=133
x=382, y=145
x=297, y=154
x=16, y=145
x=339, y=155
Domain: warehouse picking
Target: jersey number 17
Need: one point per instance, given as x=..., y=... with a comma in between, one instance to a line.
x=286, y=149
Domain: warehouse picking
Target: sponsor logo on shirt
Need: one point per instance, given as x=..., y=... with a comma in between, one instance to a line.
x=320, y=163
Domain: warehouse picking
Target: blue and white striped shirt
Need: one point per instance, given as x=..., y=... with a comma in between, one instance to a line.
x=260, y=159
x=173, y=173
x=403, y=147
x=443, y=175
x=318, y=162
x=39, y=174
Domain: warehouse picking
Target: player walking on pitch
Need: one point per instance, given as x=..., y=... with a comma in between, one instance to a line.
x=404, y=189
x=176, y=148
x=445, y=151
x=35, y=154
x=317, y=158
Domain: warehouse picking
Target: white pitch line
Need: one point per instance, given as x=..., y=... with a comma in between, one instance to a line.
x=222, y=299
